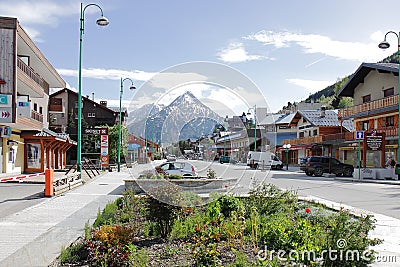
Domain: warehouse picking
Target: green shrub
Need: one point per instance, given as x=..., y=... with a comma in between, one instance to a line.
x=228, y=204
x=73, y=254
x=107, y=216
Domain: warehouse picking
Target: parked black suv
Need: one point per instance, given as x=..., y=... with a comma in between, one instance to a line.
x=318, y=165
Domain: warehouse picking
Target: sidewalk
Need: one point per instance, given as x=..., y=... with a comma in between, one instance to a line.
x=35, y=236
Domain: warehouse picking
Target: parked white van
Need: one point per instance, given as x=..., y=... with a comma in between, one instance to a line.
x=266, y=159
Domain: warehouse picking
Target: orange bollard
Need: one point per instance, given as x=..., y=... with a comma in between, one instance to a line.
x=49, y=189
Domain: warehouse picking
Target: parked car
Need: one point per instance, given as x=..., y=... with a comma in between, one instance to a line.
x=171, y=158
x=178, y=168
x=318, y=165
x=226, y=159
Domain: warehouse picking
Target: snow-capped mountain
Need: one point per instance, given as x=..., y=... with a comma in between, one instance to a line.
x=186, y=117
x=142, y=112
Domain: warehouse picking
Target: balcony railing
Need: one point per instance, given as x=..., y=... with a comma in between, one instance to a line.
x=373, y=105
x=345, y=136
x=36, y=116
x=56, y=108
x=33, y=75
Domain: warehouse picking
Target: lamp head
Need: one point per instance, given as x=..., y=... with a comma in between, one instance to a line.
x=132, y=87
x=102, y=21
x=384, y=44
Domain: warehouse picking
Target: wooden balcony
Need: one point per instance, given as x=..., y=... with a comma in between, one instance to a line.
x=56, y=108
x=337, y=138
x=36, y=116
x=33, y=75
x=369, y=106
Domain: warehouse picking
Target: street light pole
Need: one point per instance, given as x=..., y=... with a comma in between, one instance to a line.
x=101, y=21
x=255, y=125
x=287, y=147
x=120, y=119
x=384, y=45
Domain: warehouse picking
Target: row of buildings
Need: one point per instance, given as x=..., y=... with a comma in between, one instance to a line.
x=38, y=130
x=368, y=130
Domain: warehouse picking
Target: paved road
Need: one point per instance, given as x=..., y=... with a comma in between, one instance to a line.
x=34, y=236
x=378, y=198
x=15, y=197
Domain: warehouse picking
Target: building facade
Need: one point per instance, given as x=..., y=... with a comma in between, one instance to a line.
x=25, y=79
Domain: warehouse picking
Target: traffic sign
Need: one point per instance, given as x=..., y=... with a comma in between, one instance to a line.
x=360, y=135
x=5, y=114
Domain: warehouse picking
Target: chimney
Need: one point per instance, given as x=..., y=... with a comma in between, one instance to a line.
x=103, y=103
x=92, y=96
x=323, y=108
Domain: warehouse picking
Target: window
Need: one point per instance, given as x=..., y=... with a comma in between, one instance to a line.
x=91, y=115
x=35, y=107
x=388, y=92
x=301, y=134
x=389, y=121
x=364, y=125
x=366, y=98
x=41, y=110
x=315, y=132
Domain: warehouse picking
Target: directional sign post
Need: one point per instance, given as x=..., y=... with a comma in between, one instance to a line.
x=359, y=137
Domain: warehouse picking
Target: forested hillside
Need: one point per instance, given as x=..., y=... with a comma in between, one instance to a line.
x=328, y=95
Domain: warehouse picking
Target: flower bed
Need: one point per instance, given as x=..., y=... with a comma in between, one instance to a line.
x=268, y=228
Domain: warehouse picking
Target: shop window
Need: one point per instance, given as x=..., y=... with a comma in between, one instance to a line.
x=11, y=155
x=366, y=98
x=389, y=121
x=388, y=92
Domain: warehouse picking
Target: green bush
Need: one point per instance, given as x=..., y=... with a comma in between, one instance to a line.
x=73, y=254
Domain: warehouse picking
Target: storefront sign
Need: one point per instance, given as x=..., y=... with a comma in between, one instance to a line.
x=91, y=131
x=5, y=132
x=5, y=100
x=374, y=141
x=104, y=156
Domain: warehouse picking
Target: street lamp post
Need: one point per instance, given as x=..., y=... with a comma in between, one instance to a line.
x=383, y=45
x=287, y=147
x=120, y=119
x=101, y=21
x=255, y=125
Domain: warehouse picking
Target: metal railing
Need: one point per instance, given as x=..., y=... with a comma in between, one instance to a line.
x=33, y=75
x=372, y=105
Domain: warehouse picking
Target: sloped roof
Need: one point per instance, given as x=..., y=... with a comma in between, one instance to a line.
x=286, y=119
x=363, y=70
x=69, y=91
x=330, y=119
x=270, y=119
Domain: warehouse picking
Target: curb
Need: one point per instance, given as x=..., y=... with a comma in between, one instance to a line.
x=393, y=182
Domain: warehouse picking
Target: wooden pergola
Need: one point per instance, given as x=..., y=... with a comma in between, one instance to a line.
x=53, y=150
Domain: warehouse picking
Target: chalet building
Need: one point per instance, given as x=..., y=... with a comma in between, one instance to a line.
x=374, y=89
x=63, y=118
x=319, y=132
x=238, y=144
x=140, y=149
x=25, y=79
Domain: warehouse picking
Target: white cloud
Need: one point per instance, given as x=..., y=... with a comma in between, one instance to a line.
x=235, y=53
x=39, y=12
x=44, y=12
x=314, y=43
x=310, y=85
x=108, y=74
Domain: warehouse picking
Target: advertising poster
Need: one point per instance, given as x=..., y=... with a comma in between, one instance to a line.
x=104, y=149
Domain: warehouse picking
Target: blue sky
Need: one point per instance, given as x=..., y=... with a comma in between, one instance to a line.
x=288, y=49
